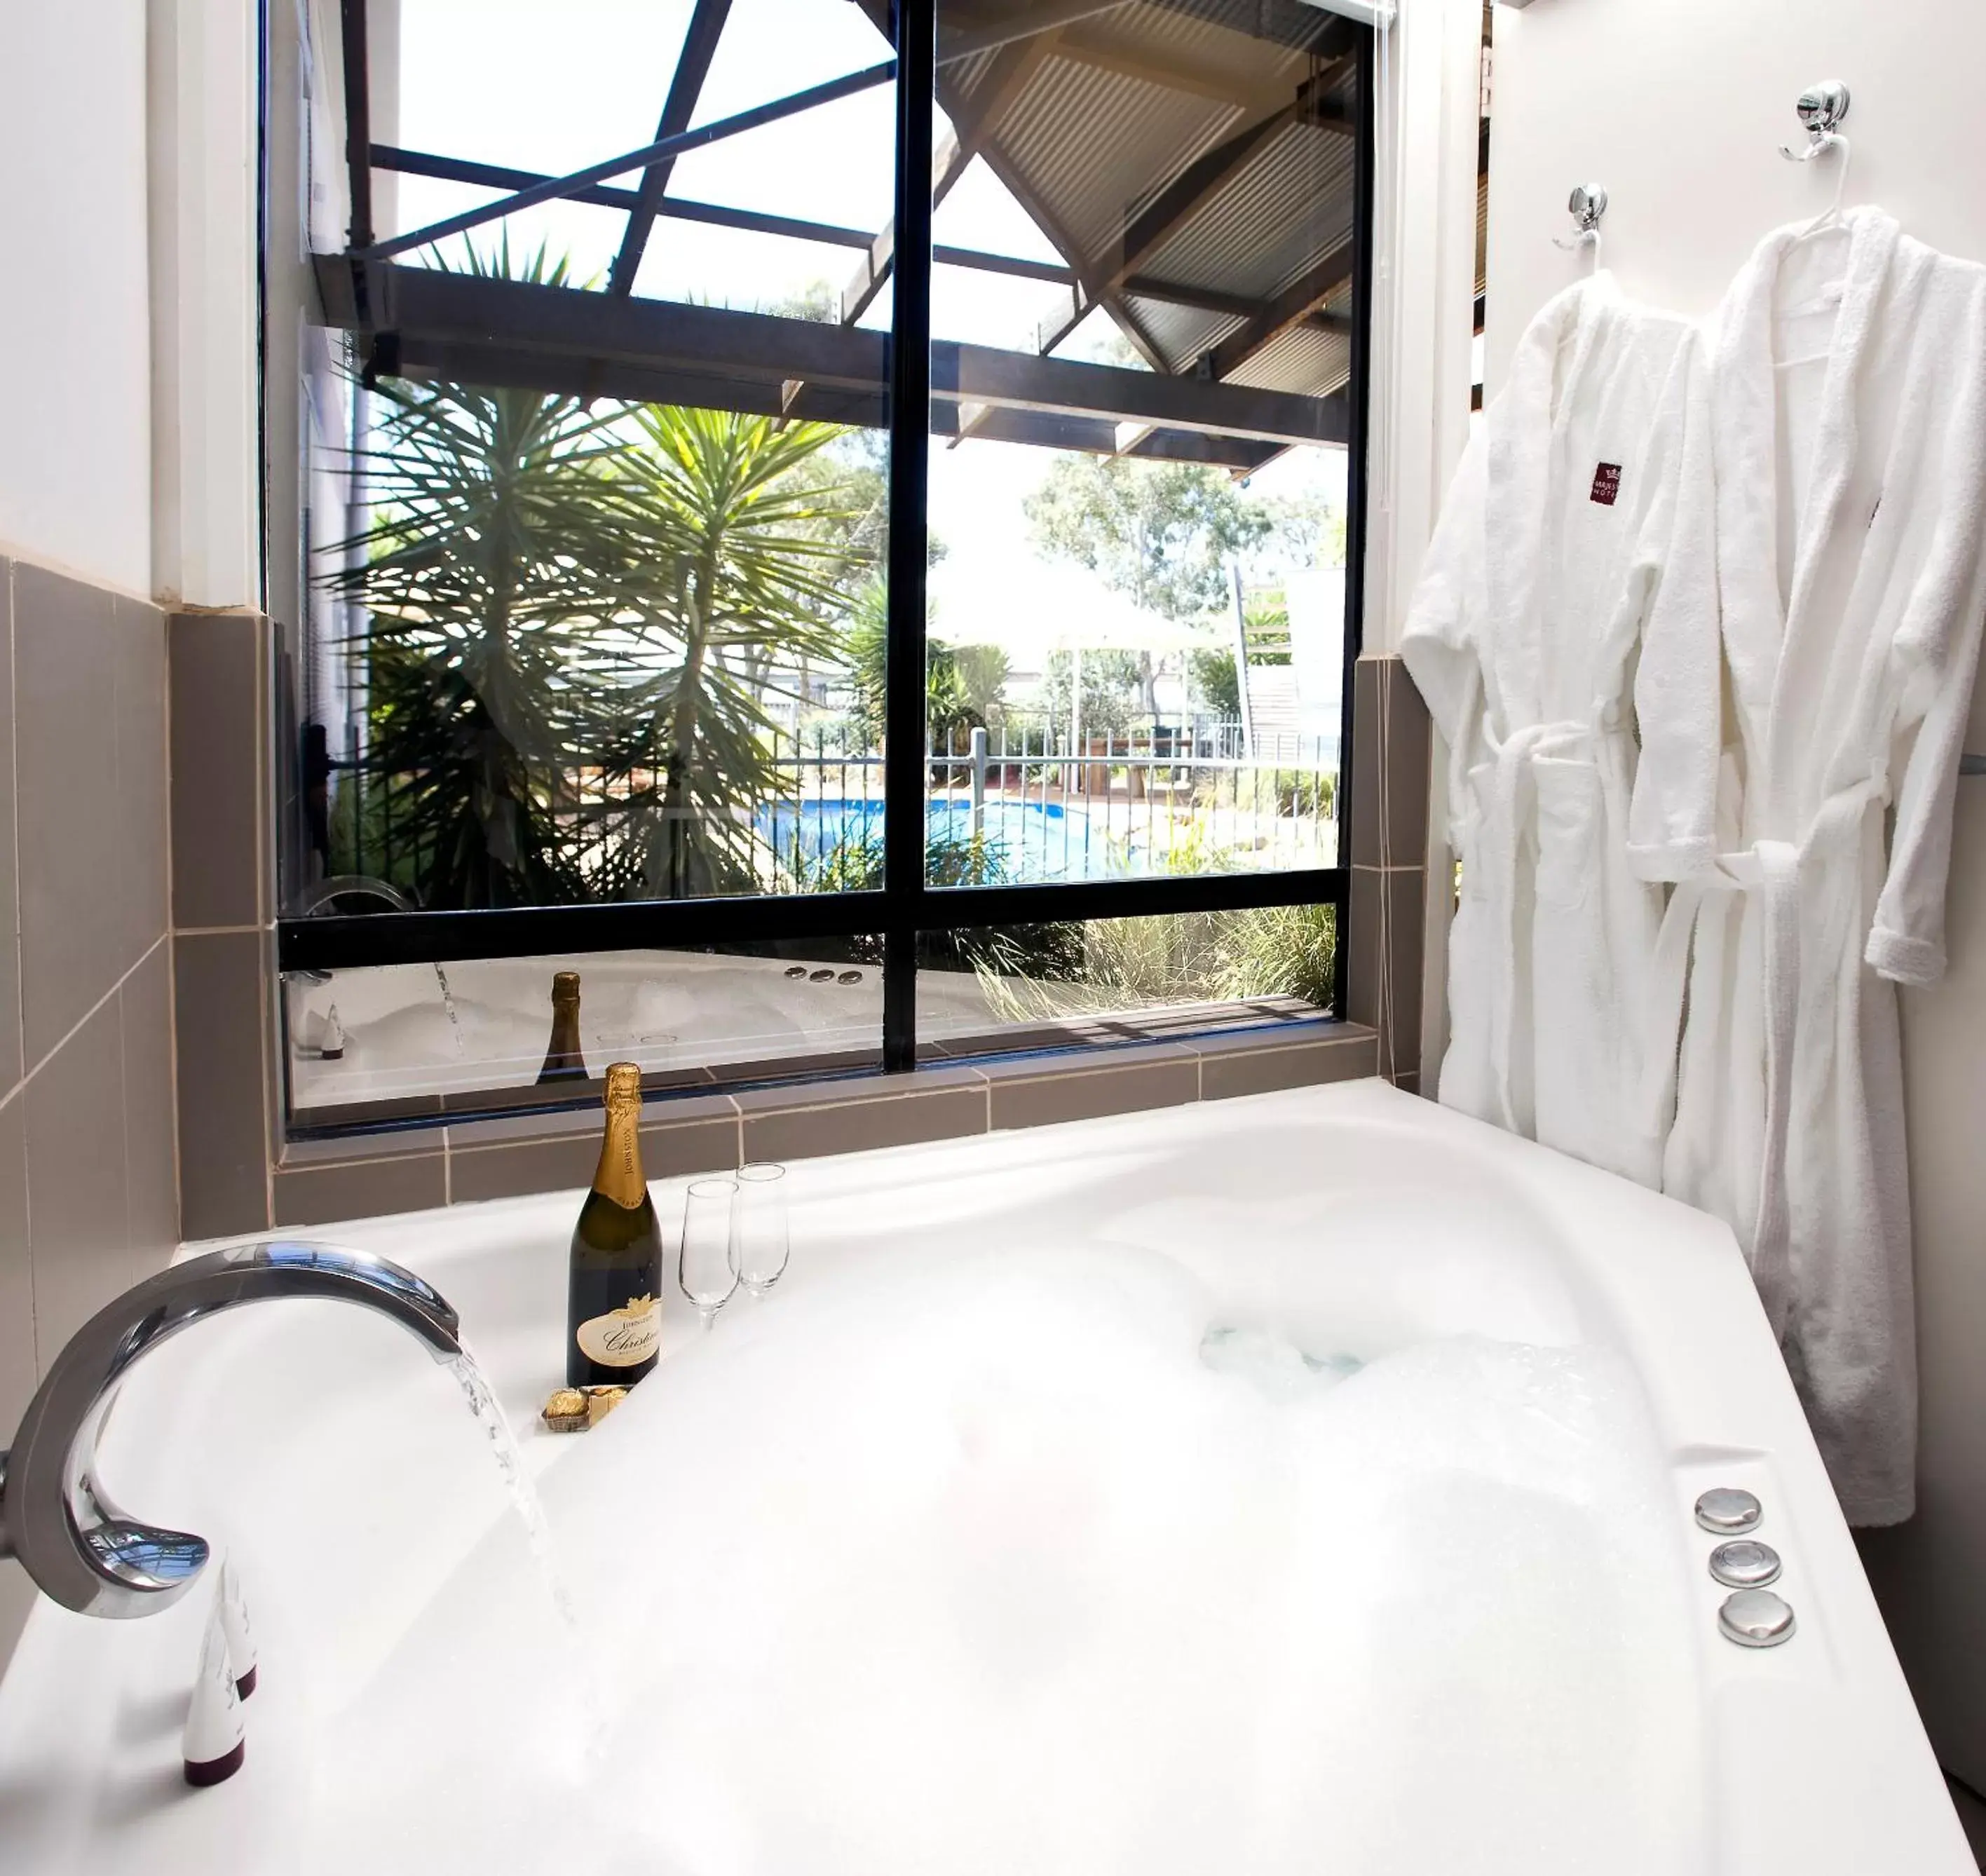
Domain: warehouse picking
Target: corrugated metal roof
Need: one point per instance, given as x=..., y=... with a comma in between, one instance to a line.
x=1306, y=358
x=1089, y=143
x=1279, y=215
x=1095, y=134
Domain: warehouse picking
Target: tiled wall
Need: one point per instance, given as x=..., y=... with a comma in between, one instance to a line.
x=240, y=1176
x=322, y=1181
x=88, y=1194
x=1390, y=754
x=224, y=918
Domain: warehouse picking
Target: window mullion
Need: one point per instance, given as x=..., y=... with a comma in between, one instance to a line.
x=905, y=731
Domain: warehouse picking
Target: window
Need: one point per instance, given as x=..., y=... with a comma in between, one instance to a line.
x=845, y=610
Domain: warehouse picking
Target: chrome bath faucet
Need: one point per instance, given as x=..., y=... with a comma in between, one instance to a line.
x=78, y=1548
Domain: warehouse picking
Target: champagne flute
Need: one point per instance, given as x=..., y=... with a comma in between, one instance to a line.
x=706, y=1270
x=762, y=1242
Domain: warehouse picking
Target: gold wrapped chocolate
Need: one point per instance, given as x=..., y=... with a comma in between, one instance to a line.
x=602, y=1401
x=566, y=1412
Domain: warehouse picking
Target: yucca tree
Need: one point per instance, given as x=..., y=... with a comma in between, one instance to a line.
x=737, y=583
x=497, y=524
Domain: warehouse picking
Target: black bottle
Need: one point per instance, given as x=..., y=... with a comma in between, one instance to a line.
x=613, y=1312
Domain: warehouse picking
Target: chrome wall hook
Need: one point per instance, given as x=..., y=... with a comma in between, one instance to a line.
x=1587, y=204
x=1821, y=108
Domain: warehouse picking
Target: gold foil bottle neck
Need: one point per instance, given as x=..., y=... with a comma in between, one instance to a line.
x=565, y=988
x=619, y=1174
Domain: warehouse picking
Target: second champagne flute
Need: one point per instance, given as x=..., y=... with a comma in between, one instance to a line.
x=761, y=1242
x=707, y=1271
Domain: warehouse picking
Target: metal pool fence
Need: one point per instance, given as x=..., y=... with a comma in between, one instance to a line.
x=1019, y=802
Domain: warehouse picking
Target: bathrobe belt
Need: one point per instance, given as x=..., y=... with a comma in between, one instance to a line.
x=1499, y=839
x=1772, y=871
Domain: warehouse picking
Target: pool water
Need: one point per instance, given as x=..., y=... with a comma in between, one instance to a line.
x=1034, y=839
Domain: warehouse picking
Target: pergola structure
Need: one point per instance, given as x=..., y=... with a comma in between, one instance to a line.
x=1202, y=170
x=1192, y=161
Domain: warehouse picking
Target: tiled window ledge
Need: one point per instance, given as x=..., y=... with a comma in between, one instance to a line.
x=317, y=1182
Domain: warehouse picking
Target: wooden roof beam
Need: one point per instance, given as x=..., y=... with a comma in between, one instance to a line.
x=1297, y=302
x=1196, y=186
x=973, y=122
x=699, y=47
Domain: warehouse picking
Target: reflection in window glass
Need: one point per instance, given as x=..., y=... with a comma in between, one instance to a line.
x=486, y=1032
x=1116, y=979
x=1137, y=605
x=585, y=629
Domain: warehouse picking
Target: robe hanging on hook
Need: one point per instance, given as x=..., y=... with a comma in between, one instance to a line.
x=1821, y=108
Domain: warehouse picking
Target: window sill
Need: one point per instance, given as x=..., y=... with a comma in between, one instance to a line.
x=322, y=1180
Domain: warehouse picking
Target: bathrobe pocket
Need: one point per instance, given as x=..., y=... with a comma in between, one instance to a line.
x=1570, y=817
x=1584, y=1060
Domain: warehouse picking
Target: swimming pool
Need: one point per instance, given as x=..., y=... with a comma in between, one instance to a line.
x=1034, y=840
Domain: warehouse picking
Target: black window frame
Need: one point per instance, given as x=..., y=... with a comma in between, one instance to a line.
x=907, y=905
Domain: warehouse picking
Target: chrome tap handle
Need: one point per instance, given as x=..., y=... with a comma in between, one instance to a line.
x=78, y=1548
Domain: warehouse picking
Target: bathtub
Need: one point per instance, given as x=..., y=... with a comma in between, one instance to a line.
x=1539, y=1685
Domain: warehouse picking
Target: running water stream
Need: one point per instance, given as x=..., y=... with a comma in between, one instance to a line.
x=454, y=1018
x=488, y=1414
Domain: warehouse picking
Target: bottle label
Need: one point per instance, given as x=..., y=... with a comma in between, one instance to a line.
x=623, y=1338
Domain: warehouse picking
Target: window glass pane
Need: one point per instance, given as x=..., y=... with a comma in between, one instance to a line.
x=476, y=1034
x=524, y=86
x=591, y=621
x=1118, y=979
x=1141, y=302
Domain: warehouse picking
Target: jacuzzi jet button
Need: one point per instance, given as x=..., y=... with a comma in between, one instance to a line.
x=1728, y=1510
x=1746, y=1564
x=1755, y=1618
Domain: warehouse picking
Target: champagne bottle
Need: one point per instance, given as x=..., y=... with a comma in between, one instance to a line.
x=564, y=1059
x=614, y=1313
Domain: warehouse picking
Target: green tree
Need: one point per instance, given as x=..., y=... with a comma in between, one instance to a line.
x=983, y=671
x=1110, y=690
x=492, y=510
x=1211, y=677
x=1164, y=534
x=734, y=588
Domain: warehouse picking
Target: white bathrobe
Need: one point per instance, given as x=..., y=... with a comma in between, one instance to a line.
x=1849, y=394
x=1571, y=577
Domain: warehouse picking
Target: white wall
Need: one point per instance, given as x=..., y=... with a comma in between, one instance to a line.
x=75, y=332
x=206, y=477
x=1677, y=106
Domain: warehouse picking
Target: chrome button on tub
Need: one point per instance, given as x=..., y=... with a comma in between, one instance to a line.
x=1746, y=1564
x=1729, y=1511
x=1755, y=1618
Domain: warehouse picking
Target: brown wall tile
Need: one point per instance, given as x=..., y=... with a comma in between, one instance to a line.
x=1384, y=992
x=324, y=1194
x=78, y=1219
x=73, y=818
x=11, y=1068
x=1257, y=1071
x=524, y=1167
x=1400, y=1049
x=214, y=771
x=142, y=825
x=1038, y=1093
x=151, y=1151
x=19, y=1372
x=1362, y=985
x=1406, y=755
x=218, y=1001
x=1365, y=768
x=852, y=1125
x=711, y=1146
